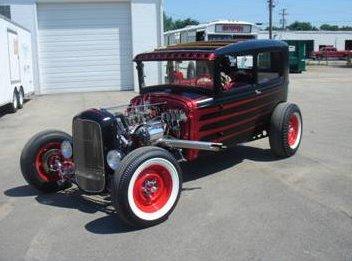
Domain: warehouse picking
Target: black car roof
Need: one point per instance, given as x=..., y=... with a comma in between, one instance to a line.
x=252, y=45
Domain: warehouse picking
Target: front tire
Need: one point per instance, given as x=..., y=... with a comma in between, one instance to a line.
x=147, y=187
x=37, y=158
x=286, y=129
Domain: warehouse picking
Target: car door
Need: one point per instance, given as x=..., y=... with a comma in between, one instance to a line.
x=270, y=86
x=231, y=116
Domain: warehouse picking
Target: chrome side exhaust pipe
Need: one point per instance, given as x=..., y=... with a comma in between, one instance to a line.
x=188, y=144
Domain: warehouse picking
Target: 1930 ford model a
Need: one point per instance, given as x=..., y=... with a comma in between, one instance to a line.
x=208, y=96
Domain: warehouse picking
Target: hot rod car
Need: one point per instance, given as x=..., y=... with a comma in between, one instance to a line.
x=195, y=97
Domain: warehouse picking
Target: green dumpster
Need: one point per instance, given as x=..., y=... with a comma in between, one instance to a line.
x=297, y=50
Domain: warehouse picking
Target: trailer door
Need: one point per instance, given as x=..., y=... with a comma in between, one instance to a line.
x=14, y=59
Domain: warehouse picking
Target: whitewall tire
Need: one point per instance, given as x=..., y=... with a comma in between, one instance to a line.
x=147, y=186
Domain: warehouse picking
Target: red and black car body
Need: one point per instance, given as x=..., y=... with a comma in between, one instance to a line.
x=209, y=96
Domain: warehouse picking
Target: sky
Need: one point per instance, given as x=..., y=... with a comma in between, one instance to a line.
x=317, y=12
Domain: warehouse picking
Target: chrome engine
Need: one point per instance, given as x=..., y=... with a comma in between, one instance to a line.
x=149, y=122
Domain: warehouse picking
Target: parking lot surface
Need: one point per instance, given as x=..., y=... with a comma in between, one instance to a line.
x=242, y=204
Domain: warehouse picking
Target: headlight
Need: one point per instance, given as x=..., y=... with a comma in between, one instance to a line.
x=113, y=158
x=66, y=149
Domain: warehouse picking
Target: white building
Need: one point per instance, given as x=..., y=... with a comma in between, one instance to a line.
x=88, y=45
x=315, y=39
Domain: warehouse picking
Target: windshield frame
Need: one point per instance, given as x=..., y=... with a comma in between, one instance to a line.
x=174, y=87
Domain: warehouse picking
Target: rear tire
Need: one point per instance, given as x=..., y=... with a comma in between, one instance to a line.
x=34, y=160
x=147, y=187
x=286, y=130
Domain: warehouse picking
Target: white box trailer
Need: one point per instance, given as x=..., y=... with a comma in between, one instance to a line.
x=16, y=66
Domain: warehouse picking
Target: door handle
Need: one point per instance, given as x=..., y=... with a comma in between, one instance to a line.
x=258, y=92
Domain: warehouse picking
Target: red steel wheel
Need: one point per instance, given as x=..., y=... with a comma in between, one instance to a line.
x=152, y=188
x=294, y=130
x=47, y=157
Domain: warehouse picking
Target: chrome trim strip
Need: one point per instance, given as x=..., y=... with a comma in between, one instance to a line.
x=189, y=144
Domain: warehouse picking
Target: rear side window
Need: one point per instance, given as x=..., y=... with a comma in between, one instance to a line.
x=269, y=66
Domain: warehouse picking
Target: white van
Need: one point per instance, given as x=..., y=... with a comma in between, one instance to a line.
x=16, y=67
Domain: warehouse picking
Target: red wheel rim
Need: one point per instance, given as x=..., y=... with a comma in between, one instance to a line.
x=293, y=130
x=152, y=188
x=47, y=155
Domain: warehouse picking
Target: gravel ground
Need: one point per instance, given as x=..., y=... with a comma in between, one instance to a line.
x=239, y=205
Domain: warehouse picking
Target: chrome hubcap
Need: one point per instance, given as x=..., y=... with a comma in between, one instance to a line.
x=150, y=187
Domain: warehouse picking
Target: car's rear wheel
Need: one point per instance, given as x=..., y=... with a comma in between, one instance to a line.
x=40, y=158
x=147, y=186
x=286, y=129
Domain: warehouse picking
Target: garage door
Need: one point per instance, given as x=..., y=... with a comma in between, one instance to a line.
x=85, y=47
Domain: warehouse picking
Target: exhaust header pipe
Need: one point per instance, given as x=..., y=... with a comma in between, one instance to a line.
x=188, y=144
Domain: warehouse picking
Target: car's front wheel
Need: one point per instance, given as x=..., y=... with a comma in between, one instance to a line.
x=42, y=160
x=147, y=186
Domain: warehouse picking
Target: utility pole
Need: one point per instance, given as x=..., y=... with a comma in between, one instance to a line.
x=283, y=19
x=271, y=6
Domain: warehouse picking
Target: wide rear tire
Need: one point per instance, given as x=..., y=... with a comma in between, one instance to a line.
x=147, y=187
x=35, y=160
x=286, y=130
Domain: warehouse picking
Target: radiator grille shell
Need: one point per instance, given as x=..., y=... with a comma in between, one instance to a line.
x=88, y=155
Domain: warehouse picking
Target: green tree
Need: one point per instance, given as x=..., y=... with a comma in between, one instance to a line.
x=302, y=26
x=328, y=27
x=170, y=24
x=346, y=28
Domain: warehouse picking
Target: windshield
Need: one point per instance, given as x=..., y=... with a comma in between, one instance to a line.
x=191, y=74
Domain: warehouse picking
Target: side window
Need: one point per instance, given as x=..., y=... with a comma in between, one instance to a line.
x=236, y=71
x=269, y=66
